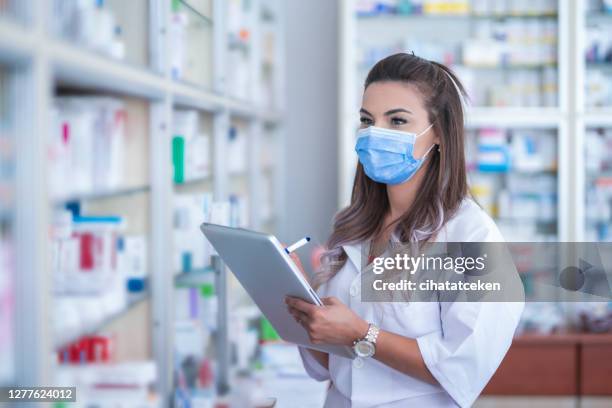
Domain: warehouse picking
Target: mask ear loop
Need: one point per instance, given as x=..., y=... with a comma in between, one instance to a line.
x=430, y=147
x=426, y=129
x=429, y=150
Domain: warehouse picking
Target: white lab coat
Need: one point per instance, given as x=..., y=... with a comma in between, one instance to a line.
x=462, y=343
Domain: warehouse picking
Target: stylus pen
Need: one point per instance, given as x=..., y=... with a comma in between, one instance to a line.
x=297, y=245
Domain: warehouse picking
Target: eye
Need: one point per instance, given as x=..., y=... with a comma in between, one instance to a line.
x=366, y=121
x=397, y=121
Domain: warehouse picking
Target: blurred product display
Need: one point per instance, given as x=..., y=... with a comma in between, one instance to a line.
x=136, y=121
x=190, y=210
x=513, y=176
x=456, y=7
x=595, y=317
x=505, y=52
x=191, y=41
x=191, y=147
x=599, y=6
x=237, y=150
x=91, y=24
x=598, y=160
x=511, y=55
x=87, y=145
x=198, y=368
x=196, y=300
x=97, y=272
x=598, y=54
x=106, y=384
x=240, y=46
x=7, y=232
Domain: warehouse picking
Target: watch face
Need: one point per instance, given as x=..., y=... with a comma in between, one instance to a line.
x=364, y=349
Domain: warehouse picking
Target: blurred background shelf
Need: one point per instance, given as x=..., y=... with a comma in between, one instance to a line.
x=456, y=17
x=556, y=101
x=598, y=117
x=193, y=278
x=16, y=40
x=371, y=30
x=100, y=195
x=133, y=301
x=199, y=10
x=84, y=68
x=188, y=103
x=126, y=116
x=508, y=117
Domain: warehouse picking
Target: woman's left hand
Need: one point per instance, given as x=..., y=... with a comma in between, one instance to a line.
x=333, y=323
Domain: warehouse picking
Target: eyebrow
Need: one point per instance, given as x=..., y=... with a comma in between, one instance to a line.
x=387, y=113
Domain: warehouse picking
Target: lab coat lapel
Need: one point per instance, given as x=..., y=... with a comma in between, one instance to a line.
x=353, y=251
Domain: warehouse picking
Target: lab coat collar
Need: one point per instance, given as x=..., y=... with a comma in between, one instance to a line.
x=354, y=250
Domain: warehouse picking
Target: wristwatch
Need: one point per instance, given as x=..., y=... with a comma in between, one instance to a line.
x=366, y=347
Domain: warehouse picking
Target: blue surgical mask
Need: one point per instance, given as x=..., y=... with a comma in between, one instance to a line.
x=387, y=155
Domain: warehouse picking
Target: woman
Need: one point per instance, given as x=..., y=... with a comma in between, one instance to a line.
x=421, y=354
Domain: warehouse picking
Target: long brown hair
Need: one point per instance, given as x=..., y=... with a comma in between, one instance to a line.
x=443, y=187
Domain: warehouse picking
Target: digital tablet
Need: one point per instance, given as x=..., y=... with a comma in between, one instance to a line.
x=268, y=274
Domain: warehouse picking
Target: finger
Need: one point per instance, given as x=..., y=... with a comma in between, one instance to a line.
x=295, y=258
x=331, y=300
x=302, y=318
x=295, y=313
x=297, y=261
x=298, y=316
x=301, y=305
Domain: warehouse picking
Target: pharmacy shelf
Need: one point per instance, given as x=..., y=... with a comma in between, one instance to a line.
x=194, y=9
x=241, y=110
x=599, y=15
x=602, y=66
x=78, y=67
x=50, y=63
x=392, y=30
x=598, y=117
x=84, y=68
x=590, y=27
x=100, y=195
x=513, y=117
x=195, y=97
x=16, y=41
x=133, y=301
x=194, y=181
x=457, y=17
x=246, y=110
x=193, y=278
x=271, y=116
x=75, y=66
x=509, y=66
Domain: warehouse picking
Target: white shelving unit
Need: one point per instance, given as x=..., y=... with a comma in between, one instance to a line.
x=9, y=322
x=568, y=118
x=591, y=115
x=43, y=63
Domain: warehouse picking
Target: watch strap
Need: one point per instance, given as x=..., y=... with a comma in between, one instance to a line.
x=372, y=334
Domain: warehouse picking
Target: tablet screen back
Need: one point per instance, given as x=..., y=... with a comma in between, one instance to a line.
x=268, y=274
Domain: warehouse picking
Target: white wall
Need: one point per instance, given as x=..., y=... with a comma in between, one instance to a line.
x=312, y=112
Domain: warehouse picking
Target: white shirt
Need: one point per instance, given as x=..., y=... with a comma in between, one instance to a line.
x=462, y=343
